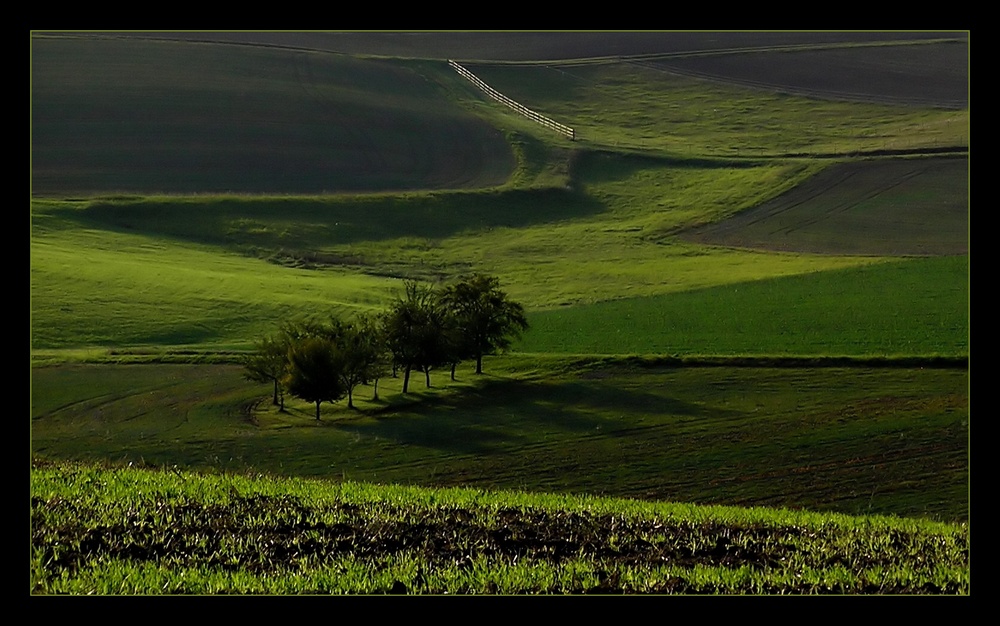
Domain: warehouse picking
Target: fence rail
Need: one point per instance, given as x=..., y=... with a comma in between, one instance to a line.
x=523, y=110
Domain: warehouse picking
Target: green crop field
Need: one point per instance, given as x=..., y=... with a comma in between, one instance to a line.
x=856, y=311
x=746, y=280
x=147, y=532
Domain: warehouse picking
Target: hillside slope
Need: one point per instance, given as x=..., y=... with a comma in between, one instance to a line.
x=135, y=116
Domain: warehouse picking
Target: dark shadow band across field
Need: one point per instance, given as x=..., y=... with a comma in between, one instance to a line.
x=854, y=440
x=543, y=45
x=305, y=225
x=481, y=423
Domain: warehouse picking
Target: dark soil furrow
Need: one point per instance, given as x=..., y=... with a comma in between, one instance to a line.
x=269, y=533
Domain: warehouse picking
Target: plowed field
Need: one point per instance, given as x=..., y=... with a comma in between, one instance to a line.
x=879, y=207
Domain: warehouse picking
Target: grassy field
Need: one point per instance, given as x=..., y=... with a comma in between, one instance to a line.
x=217, y=271
x=905, y=307
x=854, y=440
x=710, y=223
x=639, y=106
x=150, y=533
x=928, y=74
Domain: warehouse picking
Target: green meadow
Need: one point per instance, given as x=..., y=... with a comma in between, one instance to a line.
x=856, y=311
x=739, y=294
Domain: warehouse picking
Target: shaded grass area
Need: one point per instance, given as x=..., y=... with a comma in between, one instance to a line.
x=120, y=114
x=156, y=532
x=139, y=116
x=854, y=440
x=299, y=225
x=906, y=307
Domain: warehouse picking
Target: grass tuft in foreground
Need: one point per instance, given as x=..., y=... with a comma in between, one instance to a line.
x=142, y=531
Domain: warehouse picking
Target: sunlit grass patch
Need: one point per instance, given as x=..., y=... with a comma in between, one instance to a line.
x=170, y=532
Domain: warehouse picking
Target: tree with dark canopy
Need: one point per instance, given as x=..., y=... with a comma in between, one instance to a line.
x=377, y=360
x=415, y=332
x=359, y=355
x=487, y=319
x=314, y=366
x=268, y=363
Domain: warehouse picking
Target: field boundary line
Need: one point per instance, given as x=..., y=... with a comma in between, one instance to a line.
x=523, y=110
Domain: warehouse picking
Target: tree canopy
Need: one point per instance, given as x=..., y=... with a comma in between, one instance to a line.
x=416, y=332
x=313, y=366
x=487, y=319
x=424, y=328
x=268, y=363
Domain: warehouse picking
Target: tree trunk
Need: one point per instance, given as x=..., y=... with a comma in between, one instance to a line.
x=317, y=410
x=275, y=401
x=453, y=366
x=350, y=399
x=406, y=378
x=479, y=363
x=375, y=396
x=427, y=376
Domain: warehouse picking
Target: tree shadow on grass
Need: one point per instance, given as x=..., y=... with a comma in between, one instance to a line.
x=309, y=224
x=499, y=416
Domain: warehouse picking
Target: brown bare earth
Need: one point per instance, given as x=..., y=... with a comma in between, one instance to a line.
x=878, y=207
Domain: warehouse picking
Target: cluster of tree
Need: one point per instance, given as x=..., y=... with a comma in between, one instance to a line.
x=424, y=329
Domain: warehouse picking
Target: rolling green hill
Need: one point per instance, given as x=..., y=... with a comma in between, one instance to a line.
x=189, y=193
x=128, y=116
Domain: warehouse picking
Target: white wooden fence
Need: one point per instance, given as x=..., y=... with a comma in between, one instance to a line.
x=523, y=110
